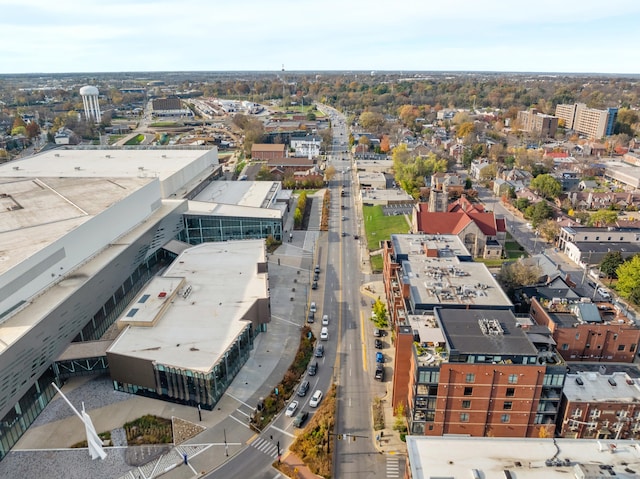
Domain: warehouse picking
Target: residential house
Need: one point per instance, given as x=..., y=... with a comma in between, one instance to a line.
x=587, y=185
x=477, y=166
x=306, y=146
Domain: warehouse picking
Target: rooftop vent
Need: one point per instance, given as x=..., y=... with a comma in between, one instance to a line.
x=579, y=381
x=490, y=327
x=77, y=168
x=612, y=382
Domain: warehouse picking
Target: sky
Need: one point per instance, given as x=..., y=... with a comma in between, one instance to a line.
x=581, y=36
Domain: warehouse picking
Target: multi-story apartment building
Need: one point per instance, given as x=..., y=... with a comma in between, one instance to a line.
x=533, y=121
x=584, y=331
x=422, y=272
x=476, y=373
x=597, y=405
x=588, y=121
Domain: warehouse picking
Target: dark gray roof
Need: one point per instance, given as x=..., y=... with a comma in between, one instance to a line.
x=463, y=333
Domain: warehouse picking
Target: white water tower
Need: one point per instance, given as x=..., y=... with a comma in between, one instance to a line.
x=89, y=96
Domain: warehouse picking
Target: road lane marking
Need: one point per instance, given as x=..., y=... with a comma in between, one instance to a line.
x=239, y=400
x=239, y=421
x=282, y=431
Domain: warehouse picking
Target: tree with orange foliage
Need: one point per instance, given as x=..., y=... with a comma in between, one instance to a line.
x=385, y=145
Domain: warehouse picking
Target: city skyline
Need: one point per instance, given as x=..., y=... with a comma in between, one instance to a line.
x=461, y=35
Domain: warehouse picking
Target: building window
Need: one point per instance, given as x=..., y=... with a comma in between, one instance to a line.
x=511, y=392
x=507, y=405
x=565, y=346
x=468, y=391
x=464, y=417
x=471, y=378
x=615, y=336
x=632, y=348
x=513, y=379
x=587, y=346
x=577, y=335
x=597, y=238
x=505, y=418
x=621, y=347
x=609, y=238
x=466, y=404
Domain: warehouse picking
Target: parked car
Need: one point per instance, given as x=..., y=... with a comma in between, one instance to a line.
x=316, y=276
x=319, y=351
x=379, y=357
x=378, y=344
x=344, y=233
x=300, y=419
x=379, y=375
x=356, y=236
x=604, y=293
x=313, y=307
x=324, y=334
x=316, y=398
x=302, y=390
x=325, y=320
x=376, y=332
x=316, y=269
x=314, y=285
x=313, y=369
x=291, y=410
x=311, y=317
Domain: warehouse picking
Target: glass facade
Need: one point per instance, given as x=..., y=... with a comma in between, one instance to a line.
x=195, y=388
x=202, y=229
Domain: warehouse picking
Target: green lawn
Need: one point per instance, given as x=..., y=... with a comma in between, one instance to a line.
x=379, y=227
x=377, y=262
x=136, y=140
x=513, y=251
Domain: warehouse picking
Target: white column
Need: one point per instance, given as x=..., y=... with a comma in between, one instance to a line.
x=86, y=107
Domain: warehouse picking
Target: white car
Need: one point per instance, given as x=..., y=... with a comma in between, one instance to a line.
x=291, y=410
x=313, y=307
x=324, y=334
x=604, y=293
x=316, y=398
x=325, y=320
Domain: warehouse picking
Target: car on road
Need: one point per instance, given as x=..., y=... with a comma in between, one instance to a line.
x=300, y=419
x=356, y=236
x=378, y=344
x=316, y=269
x=379, y=374
x=324, y=334
x=379, y=357
x=314, y=285
x=313, y=308
x=604, y=293
x=344, y=233
x=344, y=218
x=291, y=410
x=316, y=276
x=311, y=317
x=592, y=284
x=316, y=398
x=319, y=351
x=313, y=369
x=325, y=320
x=302, y=390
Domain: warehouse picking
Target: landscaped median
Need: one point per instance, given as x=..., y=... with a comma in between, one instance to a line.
x=273, y=403
x=315, y=445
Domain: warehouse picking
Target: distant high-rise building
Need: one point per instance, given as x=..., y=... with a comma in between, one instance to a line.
x=533, y=121
x=89, y=96
x=588, y=121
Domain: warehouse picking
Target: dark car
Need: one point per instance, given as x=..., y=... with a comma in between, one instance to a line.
x=314, y=285
x=316, y=276
x=304, y=387
x=356, y=237
x=344, y=233
x=379, y=373
x=300, y=418
x=378, y=344
x=319, y=351
x=311, y=317
x=313, y=369
x=316, y=269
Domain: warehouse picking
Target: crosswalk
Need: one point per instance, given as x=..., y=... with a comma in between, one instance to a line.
x=393, y=466
x=266, y=446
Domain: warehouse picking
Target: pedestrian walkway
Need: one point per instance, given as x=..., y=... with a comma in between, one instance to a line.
x=266, y=446
x=393, y=466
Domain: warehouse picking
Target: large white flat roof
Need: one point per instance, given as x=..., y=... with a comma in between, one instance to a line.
x=81, y=163
x=37, y=211
x=241, y=193
x=458, y=457
x=217, y=209
x=192, y=330
x=589, y=386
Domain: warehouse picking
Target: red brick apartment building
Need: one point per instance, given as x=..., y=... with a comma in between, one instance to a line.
x=588, y=331
x=597, y=405
x=477, y=373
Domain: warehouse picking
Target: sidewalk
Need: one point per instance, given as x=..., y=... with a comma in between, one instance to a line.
x=387, y=440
